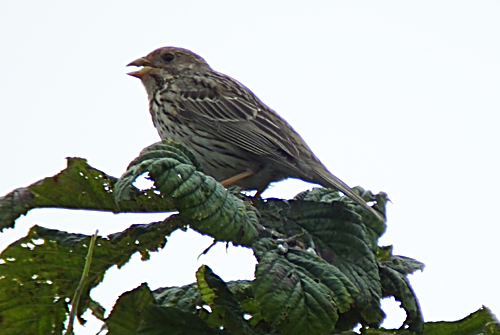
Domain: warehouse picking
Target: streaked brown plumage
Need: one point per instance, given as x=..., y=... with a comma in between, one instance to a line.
x=235, y=136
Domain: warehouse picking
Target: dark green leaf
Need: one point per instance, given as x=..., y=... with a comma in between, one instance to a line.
x=173, y=321
x=481, y=322
x=79, y=186
x=200, y=200
x=375, y=226
x=402, y=264
x=338, y=235
x=393, y=274
x=225, y=313
x=136, y=312
x=37, y=281
x=39, y=273
x=15, y=204
x=186, y=298
x=128, y=311
x=299, y=293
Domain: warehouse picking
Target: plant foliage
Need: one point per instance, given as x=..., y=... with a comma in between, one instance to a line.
x=320, y=269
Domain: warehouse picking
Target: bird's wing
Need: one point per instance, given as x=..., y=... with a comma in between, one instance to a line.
x=230, y=110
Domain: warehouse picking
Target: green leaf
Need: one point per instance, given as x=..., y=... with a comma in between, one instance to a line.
x=167, y=159
x=393, y=274
x=36, y=281
x=481, y=322
x=402, y=264
x=320, y=269
x=173, y=321
x=186, y=298
x=128, y=311
x=225, y=313
x=137, y=312
x=15, y=204
x=39, y=273
x=397, y=285
x=79, y=186
x=375, y=226
x=338, y=235
x=200, y=200
x=299, y=293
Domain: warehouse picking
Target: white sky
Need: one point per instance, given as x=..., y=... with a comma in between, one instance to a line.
x=395, y=96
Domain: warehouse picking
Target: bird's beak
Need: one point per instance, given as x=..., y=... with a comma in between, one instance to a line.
x=147, y=66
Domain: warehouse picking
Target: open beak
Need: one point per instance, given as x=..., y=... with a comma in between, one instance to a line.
x=147, y=66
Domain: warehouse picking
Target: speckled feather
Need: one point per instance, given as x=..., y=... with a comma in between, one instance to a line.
x=227, y=127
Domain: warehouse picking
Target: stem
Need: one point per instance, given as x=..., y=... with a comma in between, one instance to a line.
x=81, y=286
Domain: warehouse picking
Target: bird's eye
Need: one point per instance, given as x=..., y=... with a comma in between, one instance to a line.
x=168, y=57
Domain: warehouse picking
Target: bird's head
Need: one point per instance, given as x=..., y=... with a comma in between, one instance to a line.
x=165, y=63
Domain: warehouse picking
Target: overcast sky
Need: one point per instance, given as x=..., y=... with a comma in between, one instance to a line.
x=395, y=96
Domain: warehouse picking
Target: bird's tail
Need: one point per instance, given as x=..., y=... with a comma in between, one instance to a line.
x=326, y=179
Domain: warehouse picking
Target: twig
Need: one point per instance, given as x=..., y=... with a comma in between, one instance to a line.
x=81, y=286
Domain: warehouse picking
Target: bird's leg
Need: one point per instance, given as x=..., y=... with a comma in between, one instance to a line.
x=258, y=193
x=234, y=179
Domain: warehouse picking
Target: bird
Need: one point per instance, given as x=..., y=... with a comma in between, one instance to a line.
x=236, y=138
